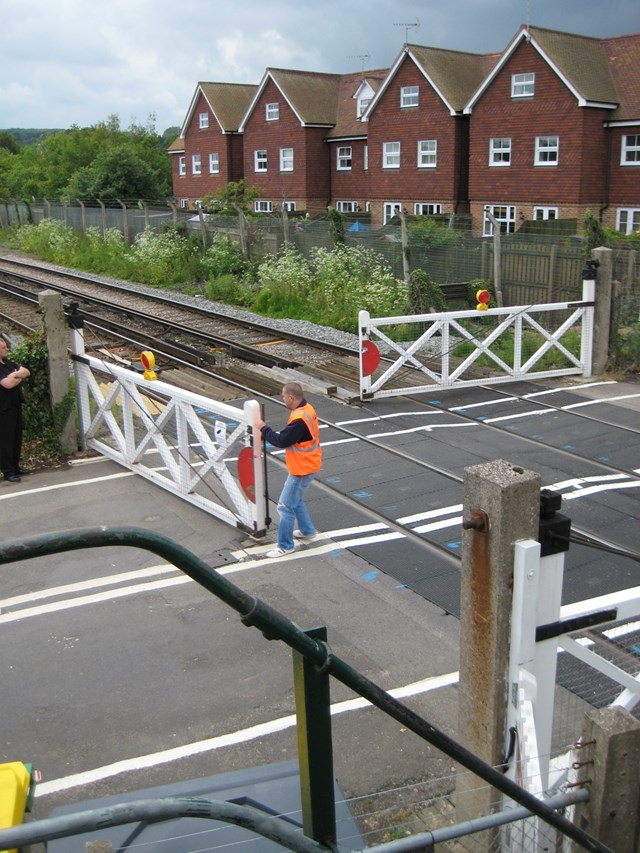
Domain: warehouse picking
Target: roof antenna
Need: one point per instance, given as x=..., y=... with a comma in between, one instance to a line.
x=528, y=12
x=408, y=27
x=363, y=57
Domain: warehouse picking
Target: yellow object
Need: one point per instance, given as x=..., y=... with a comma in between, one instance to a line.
x=15, y=780
x=148, y=360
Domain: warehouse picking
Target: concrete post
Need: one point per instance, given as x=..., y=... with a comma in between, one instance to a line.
x=602, y=311
x=56, y=334
x=610, y=759
x=501, y=507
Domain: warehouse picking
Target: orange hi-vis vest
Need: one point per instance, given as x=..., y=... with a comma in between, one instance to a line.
x=306, y=456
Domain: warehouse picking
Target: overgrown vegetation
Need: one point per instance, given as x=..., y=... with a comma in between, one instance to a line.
x=42, y=425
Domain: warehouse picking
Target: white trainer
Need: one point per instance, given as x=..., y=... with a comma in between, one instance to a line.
x=305, y=537
x=279, y=552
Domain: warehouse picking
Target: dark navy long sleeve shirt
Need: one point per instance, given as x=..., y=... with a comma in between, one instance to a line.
x=293, y=433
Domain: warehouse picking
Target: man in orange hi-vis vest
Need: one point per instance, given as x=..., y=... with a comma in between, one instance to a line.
x=303, y=455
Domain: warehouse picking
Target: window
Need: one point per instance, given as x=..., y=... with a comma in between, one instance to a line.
x=391, y=155
x=286, y=159
x=347, y=206
x=523, y=85
x=365, y=164
x=363, y=103
x=409, y=96
x=426, y=208
x=196, y=164
x=547, y=148
x=500, y=151
x=427, y=153
x=214, y=163
x=344, y=158
x=390, y=210
x=544, y=213
x=182, y=165
x=289, y=206
x=204, y=120
x=628, y=219
x=506, y=216
x=262, y=206
x=272, y=112
x=184, y=202
x=260, y=161
x=630, y=151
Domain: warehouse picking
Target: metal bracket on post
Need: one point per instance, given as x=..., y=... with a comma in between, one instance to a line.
x=315, y=750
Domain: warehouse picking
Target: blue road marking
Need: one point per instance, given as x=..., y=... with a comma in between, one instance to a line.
x=481, y=418
x=454, y=546
x=333, y=480
x=568, y=447
x=361, y=494
x=369, y=576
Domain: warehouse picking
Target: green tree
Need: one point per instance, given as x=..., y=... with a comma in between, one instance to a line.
x=9, y=142
x=118, y=172
x=233, y=196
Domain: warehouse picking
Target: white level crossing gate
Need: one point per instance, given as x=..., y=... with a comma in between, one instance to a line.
x=206, y=452
x=415, y=354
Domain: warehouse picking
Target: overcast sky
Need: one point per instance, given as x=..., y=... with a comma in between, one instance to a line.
x=65, y=62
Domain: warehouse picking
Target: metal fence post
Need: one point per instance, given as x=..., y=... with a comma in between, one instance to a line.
x=315, y=751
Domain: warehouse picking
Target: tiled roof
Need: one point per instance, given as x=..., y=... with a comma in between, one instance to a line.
x=347, y=122
x=623, y=54
x=581, y=60
x=229, y=102
x=455, y=75
x=313, y=96
x=176, y=145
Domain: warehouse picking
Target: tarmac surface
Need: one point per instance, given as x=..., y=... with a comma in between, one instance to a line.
x=119, y=673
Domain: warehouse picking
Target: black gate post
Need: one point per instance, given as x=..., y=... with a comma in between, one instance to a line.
x=315, y=750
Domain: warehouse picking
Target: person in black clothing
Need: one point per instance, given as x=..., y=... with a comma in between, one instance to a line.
x=11, y=376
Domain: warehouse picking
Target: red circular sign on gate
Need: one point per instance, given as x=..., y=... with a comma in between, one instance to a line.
x=370, y=357
x=245, y=473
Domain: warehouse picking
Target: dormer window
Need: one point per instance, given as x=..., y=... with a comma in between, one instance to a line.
x=204, y=121
x=409, y=96
x=363, y=103
x=272, y=112
x=523, y=85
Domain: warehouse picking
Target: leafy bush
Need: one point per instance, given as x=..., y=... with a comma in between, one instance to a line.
x=223, y=257
x=425, y=294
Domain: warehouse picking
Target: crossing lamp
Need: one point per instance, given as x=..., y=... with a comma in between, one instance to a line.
x=482, y=300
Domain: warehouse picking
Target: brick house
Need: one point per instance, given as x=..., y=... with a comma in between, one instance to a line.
x=418, y=136
x=550, y=131
x=347, y=140
x=208, y=154
x=284, y=131
x=549, y=128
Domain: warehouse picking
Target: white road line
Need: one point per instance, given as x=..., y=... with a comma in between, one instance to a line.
x=232, y=738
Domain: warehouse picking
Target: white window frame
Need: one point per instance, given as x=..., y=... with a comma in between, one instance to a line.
x=196, y=164
x=260, y=160
x=523, y=85
x=409, y=96
x=289, y=206
x=391, y=155
x=262, y=206
x=390, y=209
x=427, y=153
x=203, y=120
x=542, y=214
x=184, y=203
x=500, y=151
x=506, y=216
x=286, y=159
x=630, y=150
x=363, y=103
x=426, y=208
x=547, y=150
x=214, y=163
x=365, y=162
x=272, y=111
x=344, y=158
x=627, y=218
x=182, y=165
x=347, y=206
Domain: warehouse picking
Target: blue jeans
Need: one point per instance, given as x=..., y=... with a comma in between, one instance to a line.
x=292, y=508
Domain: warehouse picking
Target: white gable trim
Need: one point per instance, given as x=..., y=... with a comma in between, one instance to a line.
x=192, y=106
x=263, y=85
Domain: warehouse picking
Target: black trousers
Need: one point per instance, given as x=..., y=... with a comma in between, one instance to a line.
x=10, y=439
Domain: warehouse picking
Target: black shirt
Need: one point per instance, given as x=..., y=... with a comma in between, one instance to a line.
x=293, y=433
x=10, y=398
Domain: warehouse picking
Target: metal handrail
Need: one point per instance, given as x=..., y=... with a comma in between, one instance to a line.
x=275, y=626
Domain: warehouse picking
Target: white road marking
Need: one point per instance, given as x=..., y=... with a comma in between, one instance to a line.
x=232, y=738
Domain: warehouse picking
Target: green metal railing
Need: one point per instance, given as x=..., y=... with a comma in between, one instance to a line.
x=313, y=664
